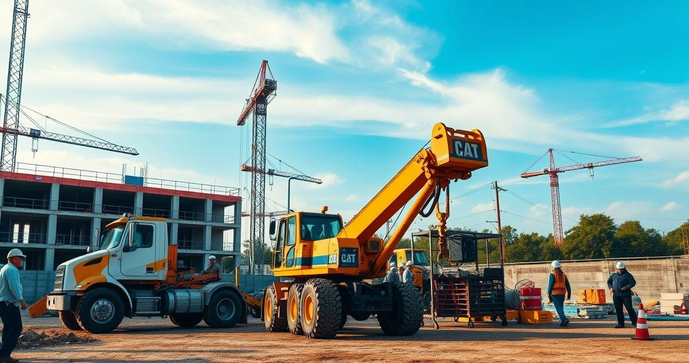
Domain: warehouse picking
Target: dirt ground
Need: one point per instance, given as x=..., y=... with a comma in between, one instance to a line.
x=156, y=339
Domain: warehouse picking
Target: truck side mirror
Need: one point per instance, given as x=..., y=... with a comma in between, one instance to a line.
x=271, y=229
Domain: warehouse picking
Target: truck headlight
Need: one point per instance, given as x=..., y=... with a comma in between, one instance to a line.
x=59, y=278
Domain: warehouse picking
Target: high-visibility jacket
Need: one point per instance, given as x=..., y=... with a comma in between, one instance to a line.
x=560, y=283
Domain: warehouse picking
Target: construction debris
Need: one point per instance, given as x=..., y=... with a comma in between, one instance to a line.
x=30, y=339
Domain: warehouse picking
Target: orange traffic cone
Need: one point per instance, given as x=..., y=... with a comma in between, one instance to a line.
x=684, y=310
x=641, y=326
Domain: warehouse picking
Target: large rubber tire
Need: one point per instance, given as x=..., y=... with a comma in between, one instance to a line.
x=407, y=315
x=100, y=311
x=224, y=310
x=360, y=316
x=186, y=320
x=69, y=320
x=321, y=313
x=272, y=321
x=294, y=309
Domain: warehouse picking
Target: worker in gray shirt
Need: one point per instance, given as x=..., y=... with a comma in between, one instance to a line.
x=392, y=276
x=11, y=299
x=212, y=268
x=408, y=277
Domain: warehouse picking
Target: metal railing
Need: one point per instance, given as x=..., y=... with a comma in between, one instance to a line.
x=75, y=206
x=104, y=177
x=190, y=244
x=117, y=209
x=10, y=237
x=29, y=203
x=72, y=240
x=202, y=217
x=222, y=246
x=151, y=212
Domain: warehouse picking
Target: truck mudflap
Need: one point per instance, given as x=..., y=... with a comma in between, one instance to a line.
x=39, y=308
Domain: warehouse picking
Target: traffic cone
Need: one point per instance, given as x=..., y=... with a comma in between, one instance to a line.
x=684, y=310
x=641, y=326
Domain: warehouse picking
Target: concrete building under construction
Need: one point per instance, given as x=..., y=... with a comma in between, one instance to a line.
x=53, y=214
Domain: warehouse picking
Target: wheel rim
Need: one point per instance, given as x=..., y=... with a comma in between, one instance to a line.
x=293, y=309
x=268, y=308
x=309, y=311
x=226, y=309
x=102, y=311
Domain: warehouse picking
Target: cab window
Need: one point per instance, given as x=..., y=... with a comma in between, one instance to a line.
x=143, y=236
x=291, y=231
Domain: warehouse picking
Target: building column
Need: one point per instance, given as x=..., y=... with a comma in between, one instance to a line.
x=207, y=238
x=174, y=207
x=237, y=242
x=174, y=233
x=98, y=200
x=51, y=233
x=49, y=259
x=95, y=232
x=54, y=196
x=139, y=204
x=208, y=211
x=2, y=191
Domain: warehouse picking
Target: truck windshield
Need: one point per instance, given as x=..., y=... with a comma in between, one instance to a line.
x=420, y=258
x=316, y=227
x=112, y=238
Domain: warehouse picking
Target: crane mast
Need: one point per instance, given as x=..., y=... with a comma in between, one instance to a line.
x=257, y=104
x=553, y=171
x=15, y=72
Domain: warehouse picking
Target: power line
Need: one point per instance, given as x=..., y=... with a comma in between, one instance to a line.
x=472, y=191
x=521, y=216
x=471, y=215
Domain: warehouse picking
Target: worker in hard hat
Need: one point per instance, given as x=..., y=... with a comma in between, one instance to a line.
x=212, y=268
x=559, y=291
x=392, y=276
x=11, y=299
x=620, y=284
x=408, y=277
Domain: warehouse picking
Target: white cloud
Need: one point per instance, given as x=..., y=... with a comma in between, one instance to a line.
x=622, y=211
x=679, y=111
x=482, y=207
x=680, y=180
x=329, y=179
x=538, y=211
x=670, y=207
x=575, y=212
x=352, y=198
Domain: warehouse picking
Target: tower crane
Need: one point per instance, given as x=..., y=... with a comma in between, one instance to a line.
x=553, y=172
x=11, y=128
x=261, y=94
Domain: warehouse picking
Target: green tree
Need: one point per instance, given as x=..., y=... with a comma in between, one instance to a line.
x=526, y=248
x=634, y=240
x=266, y=251
x=674, y=241
x=593, y=237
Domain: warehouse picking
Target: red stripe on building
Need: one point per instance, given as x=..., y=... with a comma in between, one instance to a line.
x=121, y=187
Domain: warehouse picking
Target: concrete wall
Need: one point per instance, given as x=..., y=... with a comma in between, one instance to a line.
x=653, y=276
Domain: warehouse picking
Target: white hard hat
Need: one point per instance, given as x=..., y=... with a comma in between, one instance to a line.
x=15, y=252
x=555, y=264
x=392, y=264
x=211, y=257
x=408, y=263
x=619, y=265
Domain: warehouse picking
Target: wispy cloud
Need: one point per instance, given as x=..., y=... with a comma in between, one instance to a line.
x=670, y=207
x=680, y=180
x=679, y=111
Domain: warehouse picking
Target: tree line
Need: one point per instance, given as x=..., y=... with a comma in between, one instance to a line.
x=596, y=236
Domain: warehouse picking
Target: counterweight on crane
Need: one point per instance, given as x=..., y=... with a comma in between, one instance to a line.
x=553, y=171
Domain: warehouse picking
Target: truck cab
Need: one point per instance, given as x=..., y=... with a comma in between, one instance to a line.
x=420, y=269
x=135, y=273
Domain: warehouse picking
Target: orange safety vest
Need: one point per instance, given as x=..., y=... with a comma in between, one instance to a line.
x=559, y=287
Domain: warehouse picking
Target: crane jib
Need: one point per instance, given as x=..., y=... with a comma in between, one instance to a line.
x=466, y=150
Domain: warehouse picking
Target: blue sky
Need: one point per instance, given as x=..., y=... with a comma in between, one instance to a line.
x=360, y=85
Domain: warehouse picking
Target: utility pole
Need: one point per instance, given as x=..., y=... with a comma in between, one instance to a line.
x=497, y=210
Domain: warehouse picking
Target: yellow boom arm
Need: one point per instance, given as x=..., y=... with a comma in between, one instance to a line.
x=453, y=155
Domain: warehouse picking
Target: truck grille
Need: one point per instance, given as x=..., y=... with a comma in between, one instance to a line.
x=59, y=276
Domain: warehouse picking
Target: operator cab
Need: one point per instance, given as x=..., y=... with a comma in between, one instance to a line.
x=293, y=229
